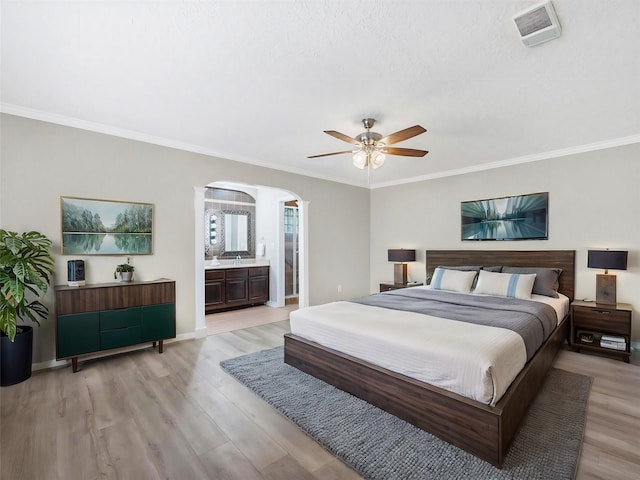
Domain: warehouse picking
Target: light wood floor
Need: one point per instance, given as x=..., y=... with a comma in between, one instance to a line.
x=247, y=317
x=177, y=415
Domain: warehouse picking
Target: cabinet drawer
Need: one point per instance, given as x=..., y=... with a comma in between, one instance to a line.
x=258, y=271
x=213, y=275
x=602, y=319
x=77, y=301
x=128, y=317
x=120, y=337
x=121, y=296
x=234, y=273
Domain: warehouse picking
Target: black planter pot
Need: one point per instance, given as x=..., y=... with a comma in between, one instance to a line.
x=16, y=357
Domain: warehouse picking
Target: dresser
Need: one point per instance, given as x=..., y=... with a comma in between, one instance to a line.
x=102, y=317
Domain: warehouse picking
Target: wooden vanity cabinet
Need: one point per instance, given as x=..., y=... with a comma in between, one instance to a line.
x=235, y=287
x=214, y=290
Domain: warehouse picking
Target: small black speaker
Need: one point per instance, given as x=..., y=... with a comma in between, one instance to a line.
x=75, y=273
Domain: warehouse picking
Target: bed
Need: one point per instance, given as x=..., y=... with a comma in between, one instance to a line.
x=485, y=430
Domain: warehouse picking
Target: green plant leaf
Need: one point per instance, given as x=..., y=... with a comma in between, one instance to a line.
x=26, y=265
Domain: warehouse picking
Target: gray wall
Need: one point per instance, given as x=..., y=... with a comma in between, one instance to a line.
x=42, y=161
x=593, y=203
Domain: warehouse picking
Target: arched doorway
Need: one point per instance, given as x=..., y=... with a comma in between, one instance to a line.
x=270, y=205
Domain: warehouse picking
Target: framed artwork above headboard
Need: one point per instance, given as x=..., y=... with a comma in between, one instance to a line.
x=520, y=217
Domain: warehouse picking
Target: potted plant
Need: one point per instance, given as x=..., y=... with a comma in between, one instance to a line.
x=26, y=265
x=124, y=271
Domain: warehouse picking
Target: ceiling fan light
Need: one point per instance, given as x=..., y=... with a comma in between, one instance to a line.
x=360, y=159
x=377, y=159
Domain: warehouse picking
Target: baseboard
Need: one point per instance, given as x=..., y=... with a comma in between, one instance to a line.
x=200, y=333
x=133, y=348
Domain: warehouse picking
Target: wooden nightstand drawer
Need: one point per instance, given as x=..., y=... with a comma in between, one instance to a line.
x=614, y=321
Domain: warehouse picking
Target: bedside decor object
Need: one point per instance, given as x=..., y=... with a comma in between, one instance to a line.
x=75, y=273
x=400, y=256
x=606, y=283
x=522, y=217
x=106, y=227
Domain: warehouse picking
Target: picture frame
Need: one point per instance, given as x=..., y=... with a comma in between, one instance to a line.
x=105, y=227
x=519, y=217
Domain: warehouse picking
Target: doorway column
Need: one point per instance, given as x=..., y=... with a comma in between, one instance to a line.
x=198, y=208
x=303, y=258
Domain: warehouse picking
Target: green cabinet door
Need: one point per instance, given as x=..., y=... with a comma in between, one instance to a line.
x=77, y=333
x=158, y=322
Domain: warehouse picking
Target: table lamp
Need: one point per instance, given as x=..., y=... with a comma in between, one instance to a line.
x=400, y=256
x=605, y=283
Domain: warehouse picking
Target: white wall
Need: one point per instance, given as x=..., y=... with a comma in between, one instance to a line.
x=43, y=161
x=270, y=227
x=593, y=203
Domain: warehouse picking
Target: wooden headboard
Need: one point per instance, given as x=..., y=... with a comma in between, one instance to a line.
x=564, y=259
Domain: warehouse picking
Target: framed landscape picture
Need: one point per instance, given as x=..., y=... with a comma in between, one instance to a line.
x=522, y=217
x=106, y=227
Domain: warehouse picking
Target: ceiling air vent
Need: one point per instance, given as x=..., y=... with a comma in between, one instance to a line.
x=538, y=24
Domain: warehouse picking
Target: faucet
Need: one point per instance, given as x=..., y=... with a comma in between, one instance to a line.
x=238, y=260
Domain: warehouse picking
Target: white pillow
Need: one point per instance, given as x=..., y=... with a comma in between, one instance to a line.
x=505, y=284
x=455, y=280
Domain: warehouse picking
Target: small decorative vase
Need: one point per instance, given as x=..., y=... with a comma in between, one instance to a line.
x=126, y=276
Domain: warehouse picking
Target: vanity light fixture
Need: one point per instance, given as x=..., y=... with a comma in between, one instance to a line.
x=606, y=283
x=400, y=256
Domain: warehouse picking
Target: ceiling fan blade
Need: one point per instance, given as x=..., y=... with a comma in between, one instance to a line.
x=328, y=154
x=406, y=152
x=403, y=135
x=342, y=136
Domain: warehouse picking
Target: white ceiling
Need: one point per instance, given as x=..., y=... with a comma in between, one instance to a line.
x=259, y=81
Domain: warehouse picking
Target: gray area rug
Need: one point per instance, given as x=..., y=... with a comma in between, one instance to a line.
x=380, y=446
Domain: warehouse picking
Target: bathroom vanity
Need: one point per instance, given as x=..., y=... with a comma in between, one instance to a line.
x=227, y=287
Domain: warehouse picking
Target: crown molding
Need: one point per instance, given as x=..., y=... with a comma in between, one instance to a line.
x=563, y=152
x=170, y=143
x=164, y=142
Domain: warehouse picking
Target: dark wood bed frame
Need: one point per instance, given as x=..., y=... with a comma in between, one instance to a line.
x=484, y=431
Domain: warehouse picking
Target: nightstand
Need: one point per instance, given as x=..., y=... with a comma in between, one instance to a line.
x=385, y=287
x=593, y=325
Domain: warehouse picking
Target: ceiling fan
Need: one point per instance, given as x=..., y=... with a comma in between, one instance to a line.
x=371, y=147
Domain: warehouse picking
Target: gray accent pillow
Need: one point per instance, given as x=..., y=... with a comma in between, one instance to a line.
x=496, y=269
x=546, y=279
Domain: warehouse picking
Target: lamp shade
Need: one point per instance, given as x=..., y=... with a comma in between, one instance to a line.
x=401, y=255
x=607, y=259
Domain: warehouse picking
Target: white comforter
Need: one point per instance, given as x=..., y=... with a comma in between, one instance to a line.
x=476, y=361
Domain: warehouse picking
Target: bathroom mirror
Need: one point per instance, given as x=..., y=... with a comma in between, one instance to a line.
x=235, y=233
